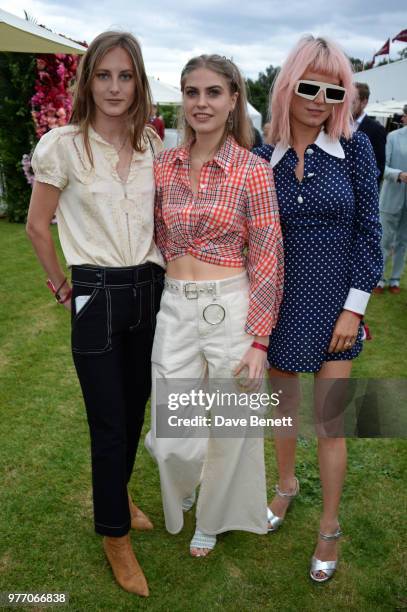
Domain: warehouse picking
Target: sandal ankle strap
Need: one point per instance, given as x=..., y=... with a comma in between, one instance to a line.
x=331, y=537
x=281, y=493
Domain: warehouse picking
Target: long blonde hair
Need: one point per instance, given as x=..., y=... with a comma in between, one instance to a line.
x=241, y=128
x=83, y=104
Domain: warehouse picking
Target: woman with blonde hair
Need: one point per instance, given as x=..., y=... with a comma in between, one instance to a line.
x=214, y=202
x=328, y=201
x=97, y=175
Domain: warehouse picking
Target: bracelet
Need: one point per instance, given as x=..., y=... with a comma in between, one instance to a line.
x=261, y=347
x=58, y=298
x=51, y=286
x=60, y=286
x=66, y=298
x=356, y=313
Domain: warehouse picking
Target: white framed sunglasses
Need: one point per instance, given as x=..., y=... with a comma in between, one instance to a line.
x=334, y=94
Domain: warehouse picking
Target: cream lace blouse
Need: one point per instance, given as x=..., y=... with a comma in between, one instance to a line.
x=101, y=220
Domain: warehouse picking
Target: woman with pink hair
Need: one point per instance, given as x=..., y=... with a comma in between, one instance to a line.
x=327, y=192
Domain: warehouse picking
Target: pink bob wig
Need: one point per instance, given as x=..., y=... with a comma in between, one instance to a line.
x=318, y=55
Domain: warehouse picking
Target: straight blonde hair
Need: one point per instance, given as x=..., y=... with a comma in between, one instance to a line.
x=83, y=105
x=241, y=127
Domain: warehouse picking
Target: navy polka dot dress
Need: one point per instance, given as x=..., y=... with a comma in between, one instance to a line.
x=331, y=229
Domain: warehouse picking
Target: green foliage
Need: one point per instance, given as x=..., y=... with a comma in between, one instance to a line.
x=17, y=79
x=169, y=113
x=259, y=90
x=386, y=60
x=357, y=64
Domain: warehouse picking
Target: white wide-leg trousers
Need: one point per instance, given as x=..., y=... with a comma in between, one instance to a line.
x=230, y=471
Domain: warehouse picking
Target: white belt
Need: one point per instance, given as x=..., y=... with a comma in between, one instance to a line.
x=192, y=290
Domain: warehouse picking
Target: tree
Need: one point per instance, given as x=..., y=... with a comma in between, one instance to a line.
x=259, y=90
x=357, y=64
x=17, y=79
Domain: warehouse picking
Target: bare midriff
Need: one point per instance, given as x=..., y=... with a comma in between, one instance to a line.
x=190, y=268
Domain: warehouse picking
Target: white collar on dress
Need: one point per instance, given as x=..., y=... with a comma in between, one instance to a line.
x=331, y=146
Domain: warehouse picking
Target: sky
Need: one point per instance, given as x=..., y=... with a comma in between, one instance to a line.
x=254, y=34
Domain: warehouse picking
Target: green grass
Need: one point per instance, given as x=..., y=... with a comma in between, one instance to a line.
x=47, y=541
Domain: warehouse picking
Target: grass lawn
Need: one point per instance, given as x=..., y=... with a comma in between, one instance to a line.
x=47, y=542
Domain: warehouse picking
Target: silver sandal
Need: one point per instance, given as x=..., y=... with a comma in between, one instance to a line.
x=202, y=540
x=328, y=567
x=273, y=520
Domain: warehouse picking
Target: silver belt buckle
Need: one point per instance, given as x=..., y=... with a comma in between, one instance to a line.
x=191, y=293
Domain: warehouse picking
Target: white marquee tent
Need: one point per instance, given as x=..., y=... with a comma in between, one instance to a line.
x=388, y=108
x=387, y=82
x=164, y=93
x=255, y=116
x=22, y=36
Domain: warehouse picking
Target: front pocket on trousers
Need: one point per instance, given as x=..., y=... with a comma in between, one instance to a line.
x=91, y=326
x=84, y=295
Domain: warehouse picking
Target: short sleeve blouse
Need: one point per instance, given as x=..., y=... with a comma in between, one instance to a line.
x=101, y=219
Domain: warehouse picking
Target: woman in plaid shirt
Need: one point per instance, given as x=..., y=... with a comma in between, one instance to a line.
x=217, y=226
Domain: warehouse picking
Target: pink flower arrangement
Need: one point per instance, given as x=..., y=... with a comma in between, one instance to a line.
x=52, y=101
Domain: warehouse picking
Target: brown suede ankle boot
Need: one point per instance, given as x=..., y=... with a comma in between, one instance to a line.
x=139, y=520
x=125, y=566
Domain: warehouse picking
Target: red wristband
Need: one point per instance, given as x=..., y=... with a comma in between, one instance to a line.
x=261, y=347
x=355, y=313
x=51, y=287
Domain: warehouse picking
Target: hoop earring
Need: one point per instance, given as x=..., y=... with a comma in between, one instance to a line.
x=229, y=122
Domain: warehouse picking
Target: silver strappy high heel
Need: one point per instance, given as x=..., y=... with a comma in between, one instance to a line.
x=273, y=520
x=328, y=567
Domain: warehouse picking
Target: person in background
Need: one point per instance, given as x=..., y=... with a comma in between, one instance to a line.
x=266, y=132
x=257, y=138
x=372, y=128
x=157, y=121
x=328, y=201
x=97, y=174
x=393, y=206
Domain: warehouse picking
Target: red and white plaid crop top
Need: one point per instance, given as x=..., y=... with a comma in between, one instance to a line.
x=232, y=221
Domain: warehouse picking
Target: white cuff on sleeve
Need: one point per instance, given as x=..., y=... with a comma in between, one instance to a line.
x=357, y=301
x=392, y=174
